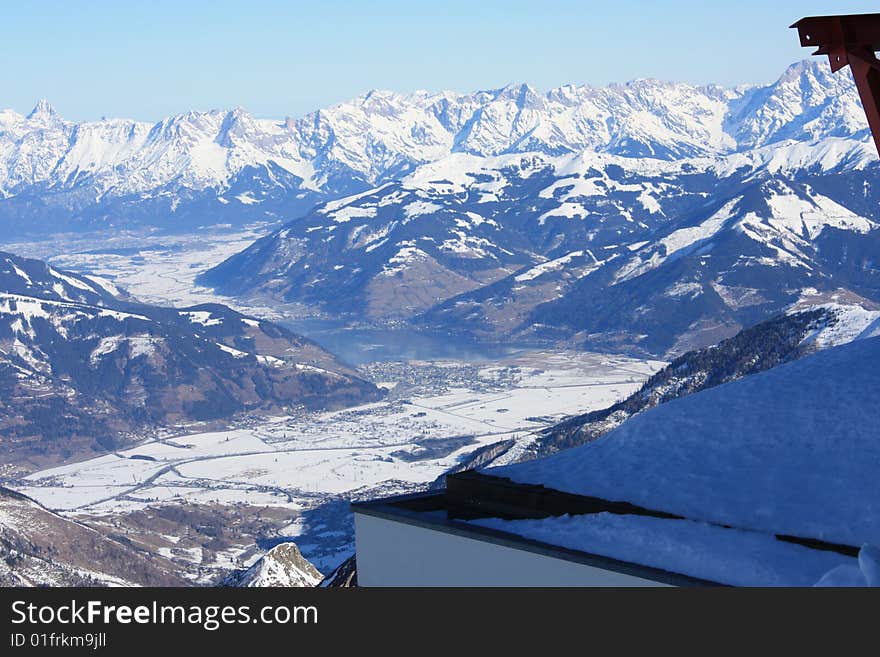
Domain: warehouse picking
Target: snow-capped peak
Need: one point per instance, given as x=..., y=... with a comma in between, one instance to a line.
x=283, y=565
x=43, y=111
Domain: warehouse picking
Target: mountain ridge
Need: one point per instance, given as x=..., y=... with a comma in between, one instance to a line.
x=764, y=346
x=591, y=249
x=114, y=369
x=219, y=166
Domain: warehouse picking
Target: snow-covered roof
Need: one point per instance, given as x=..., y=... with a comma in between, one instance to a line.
x=794, y=450
x=696, y=549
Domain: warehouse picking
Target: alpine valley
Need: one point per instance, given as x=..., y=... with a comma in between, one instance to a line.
x=217, y=330
x=84, y=369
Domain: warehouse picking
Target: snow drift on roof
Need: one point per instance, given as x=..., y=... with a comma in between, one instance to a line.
x=696, y=549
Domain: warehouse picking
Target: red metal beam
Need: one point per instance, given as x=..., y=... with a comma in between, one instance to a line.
x=853, y=40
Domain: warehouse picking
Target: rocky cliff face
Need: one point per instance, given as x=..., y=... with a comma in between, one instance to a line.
x=345, y=575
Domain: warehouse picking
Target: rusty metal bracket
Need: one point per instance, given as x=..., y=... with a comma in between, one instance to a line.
x=851, y=39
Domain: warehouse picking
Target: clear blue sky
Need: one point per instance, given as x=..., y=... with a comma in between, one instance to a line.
x=149, y=59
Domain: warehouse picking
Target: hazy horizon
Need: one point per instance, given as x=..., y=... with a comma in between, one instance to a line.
x=273, y=59
x=282, y=117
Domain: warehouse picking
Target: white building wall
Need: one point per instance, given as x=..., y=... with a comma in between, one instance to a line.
x=393, y=553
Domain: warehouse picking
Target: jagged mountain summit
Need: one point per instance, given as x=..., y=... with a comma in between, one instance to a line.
x=83, y=368
x=201, y=168
x=282, y=566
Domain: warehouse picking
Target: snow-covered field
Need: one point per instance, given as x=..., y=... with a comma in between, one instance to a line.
x=411, y=440
x=155, y=268
x=436, y=413
x=302, y=462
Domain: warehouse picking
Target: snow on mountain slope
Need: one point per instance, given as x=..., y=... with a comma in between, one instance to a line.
x=40, y=548
x=817, y=322
x=32, y=278
x=808, y=102
x=112, y=368
x=706, y=277
x=792, y=451
x=219, y=166
x=283, y=566
x=854, y=322
x=586, y=245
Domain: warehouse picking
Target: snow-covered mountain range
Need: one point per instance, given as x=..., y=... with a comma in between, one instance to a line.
x=590, y=244
x=218, y=166
x=651, y=216
x=662, y=249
